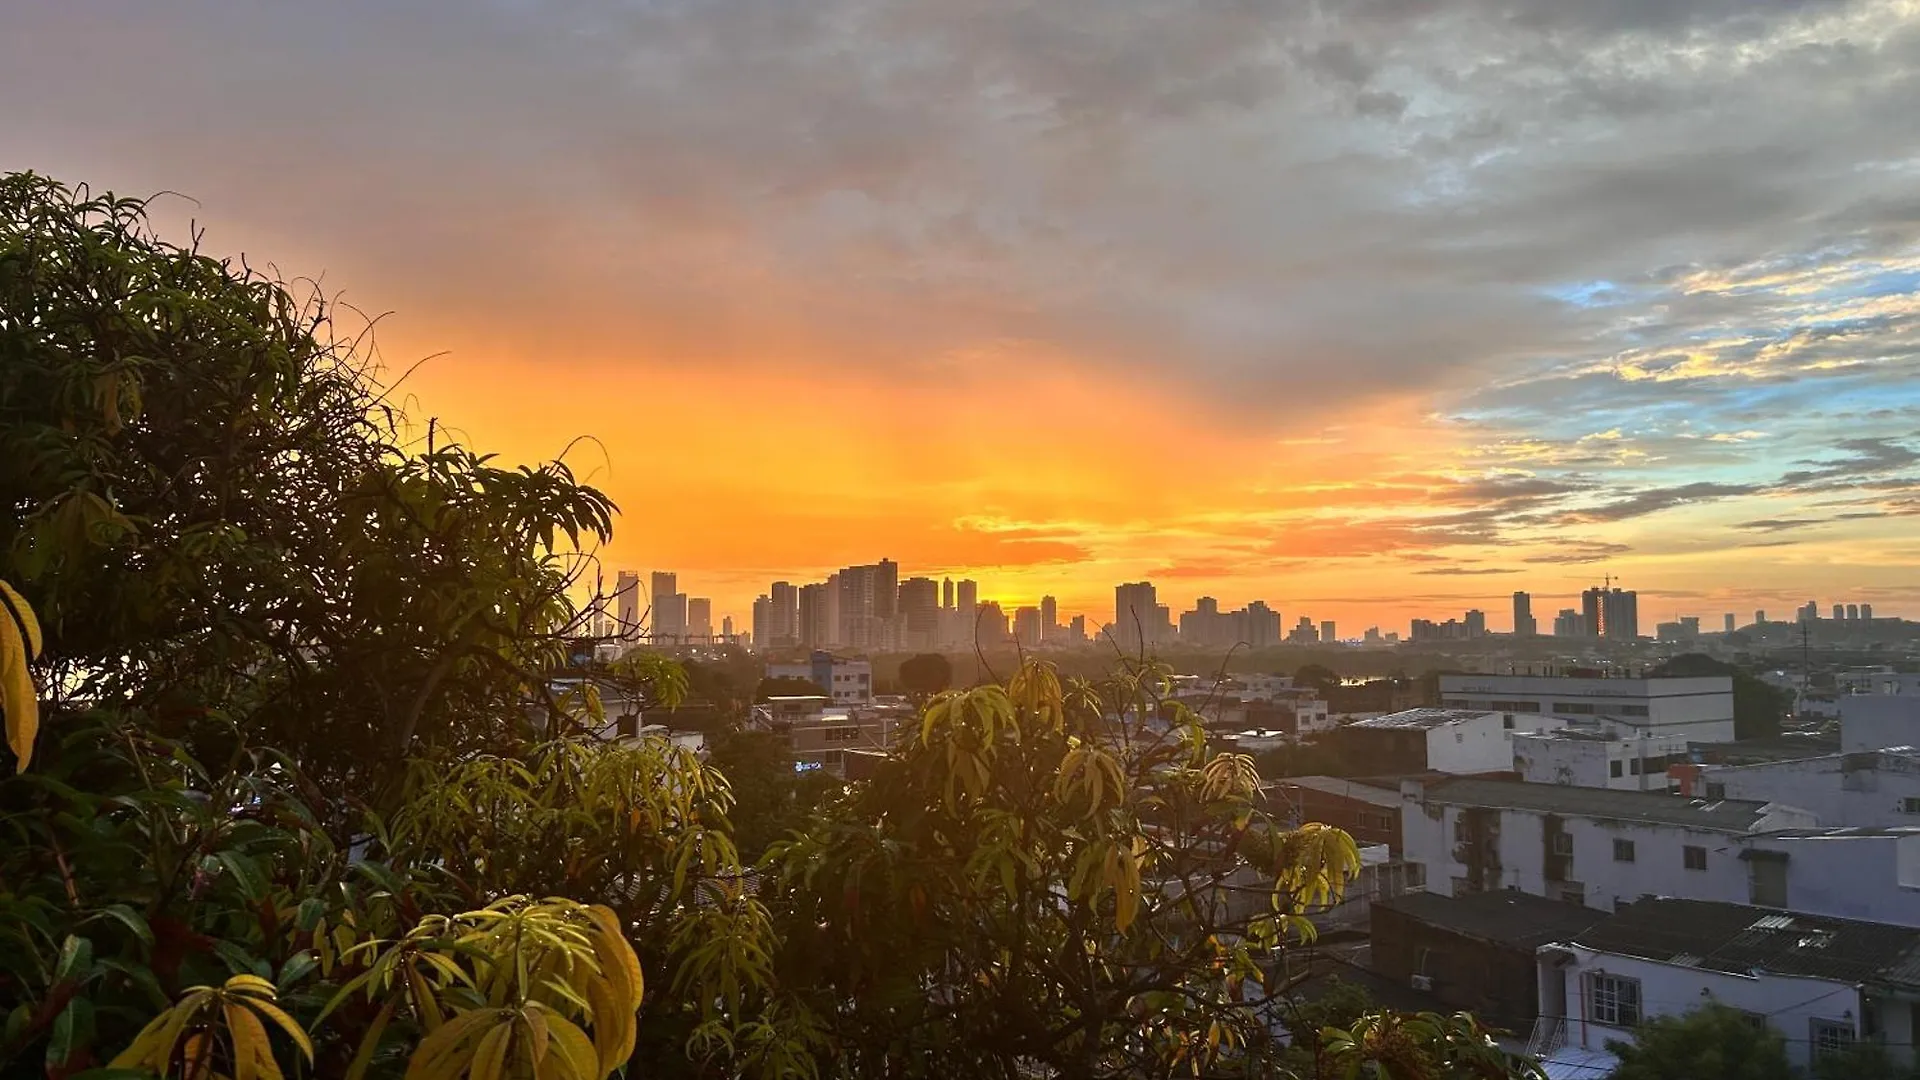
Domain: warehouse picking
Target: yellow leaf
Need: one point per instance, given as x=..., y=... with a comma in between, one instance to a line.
x=24, y=613
x=571, y=1046
x=250, y=984
x=18, y=698
x=286, y=1023
x=252, y=1053
x=490, y=1058
x=444, y=1052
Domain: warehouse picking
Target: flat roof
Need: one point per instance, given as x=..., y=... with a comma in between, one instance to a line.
x=1358, y=790
x=1420, y=719
x=1725, y=815
x=1739, y=939
x=1504, y=917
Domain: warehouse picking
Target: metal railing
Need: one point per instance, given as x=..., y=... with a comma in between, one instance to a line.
x=1549, y=1034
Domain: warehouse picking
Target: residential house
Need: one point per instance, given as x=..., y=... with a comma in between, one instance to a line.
x=1436, y=740
x=1589, y=757
x=1476, y=952
x=1868, y=787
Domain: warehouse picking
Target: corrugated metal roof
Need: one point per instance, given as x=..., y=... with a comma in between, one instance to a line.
x=1725, y=815
x=1740, y=939
x=1421, y=719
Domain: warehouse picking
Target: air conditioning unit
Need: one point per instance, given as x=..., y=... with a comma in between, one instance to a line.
x=1423, y=982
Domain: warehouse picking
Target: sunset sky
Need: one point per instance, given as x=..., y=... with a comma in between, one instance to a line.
x=1372, y=309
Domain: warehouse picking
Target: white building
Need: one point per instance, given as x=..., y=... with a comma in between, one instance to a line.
x=1584, y=757
x=1700, y=709
x=1593, y=846
x=1437, y=740
x=1884, y=711
x=1822, y=983
x=847, y=682
x=1603, y=848
x=1869, y=787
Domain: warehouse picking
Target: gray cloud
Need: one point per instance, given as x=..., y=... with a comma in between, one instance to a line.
x=1465, y=571
x=1773, y=525
x=1654, y=500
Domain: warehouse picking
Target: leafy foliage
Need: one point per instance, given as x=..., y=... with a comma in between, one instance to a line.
x=1714, y=1042
x=926, y=674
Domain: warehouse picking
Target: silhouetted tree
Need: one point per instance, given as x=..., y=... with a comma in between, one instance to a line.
x=926, y=674
x=1714, y=1042
x=788, y=686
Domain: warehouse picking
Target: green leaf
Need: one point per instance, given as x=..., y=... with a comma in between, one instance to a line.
x=129, y=918
x=72, y=1030
x=298, y=967
x=245, y=873
x=76, y=958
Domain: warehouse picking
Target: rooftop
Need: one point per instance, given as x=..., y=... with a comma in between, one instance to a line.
x=1504, y=917
x=1422, y=719
x=1891, y=758
x=1740, y=940
x=1726, y=815
x=1358, y=790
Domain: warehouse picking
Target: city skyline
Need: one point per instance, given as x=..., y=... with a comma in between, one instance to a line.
x=1297, y=310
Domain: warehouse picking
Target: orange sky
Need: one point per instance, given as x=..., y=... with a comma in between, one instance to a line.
x=1372, y=312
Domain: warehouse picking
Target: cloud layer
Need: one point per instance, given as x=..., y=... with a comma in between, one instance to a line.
x=1272, y=299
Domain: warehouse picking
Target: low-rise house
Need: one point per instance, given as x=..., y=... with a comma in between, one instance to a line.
x=1437, y=740
x=1473, y=952
x=1823, y=983
x=1369, y=810
x=1868, y=787
x=1888, y=714
x=1589, y=757
x=848, y=682
x=1592, y=846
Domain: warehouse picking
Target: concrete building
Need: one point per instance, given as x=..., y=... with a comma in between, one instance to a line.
x=1136, y=618
x=699, y=618
x=1700, y=708
x=783, y=621
x=1583, y=757
x=1049, y=617
x=822, y=737
x=814, y=609
x=1869, y=787
x=1883, y=710
x=1569, y=623
x=1369, y=811
x=1475, y=953
x=1436, y=740
x=1523, y=623
x=1327, y=634
x=920, y=612
x=1821, y=983
x=1593, y=846
x=1027, y=627
x=669, y=608
x=626, y=604
x=847, y=682
x=762, y=621
x=1613, y=613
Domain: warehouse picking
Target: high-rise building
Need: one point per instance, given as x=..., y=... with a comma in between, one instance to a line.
x=991, y=623
x=1853, y=612
x=626, y=603
x=920, y=605
x=1866, y=612
x=1327, y=636
x=1303, y=633
x=1760, y=616
x=815, y=609
x=1728, y=620
x=1476, y=623
x=1523, y=624
x=699, y=618
x=1839, y=612
x=1612, y=613
x=967, y=596
x=1049, y=617
x=869, y=598
x=1077, y=630
x=669, y=606
x=783, y=617
x=1263, y=626
x=726, y=629
x=1136, y=616
x=1570, y=623
x=1810, y=613
x=762, y=621
x=946, y=593
x=1026, y=626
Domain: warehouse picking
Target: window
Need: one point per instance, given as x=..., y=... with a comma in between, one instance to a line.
x=1563, y=843
x=841, y=734
x=1507, y=722
x=1613, y=1000
x=1623, y=851
x=1634, y=766
x=1694, y=857
x=1574, y=708
x=1613, y=769
x=1514, y=706
x=1830, y=1036
x=1716, y=791
x=1910, y=806
x=1633, y=710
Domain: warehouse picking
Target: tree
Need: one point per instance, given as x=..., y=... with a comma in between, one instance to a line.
x=1758, y=708
x=1042, y=881
x=216, y=511
x=926, y=674
x=1714, y=1042
x=772, y=800
x=1317, y=677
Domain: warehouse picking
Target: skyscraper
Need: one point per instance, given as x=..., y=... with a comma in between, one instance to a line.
x=1839, y=612
x=1026, y=626
x=699, y=618
x=1760, y=617
x=920, y=605
x=1853, y=612
x=1523, y=624
x=626, y=603
x=669, y=606
x=1135, y=614
x=814, y=605
x=1728, y=618
x=946, y=593
x=1866, y=612
x=1476, y=623
x=783, y=617
x=762, y=622
x=1049, y=616
x=1611, y=613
